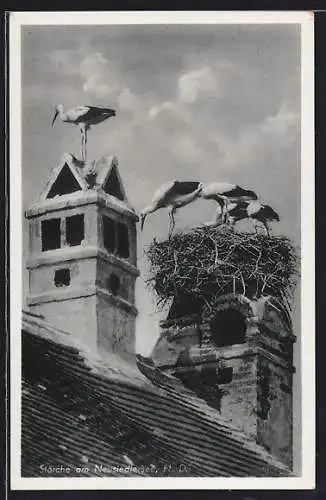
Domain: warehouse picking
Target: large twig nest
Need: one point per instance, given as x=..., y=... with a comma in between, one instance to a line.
x=209, y=260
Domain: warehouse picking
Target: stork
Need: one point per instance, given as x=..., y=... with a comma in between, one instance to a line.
x=224, y=193
x=252, y=210
x=172, y=195
x=84, y=117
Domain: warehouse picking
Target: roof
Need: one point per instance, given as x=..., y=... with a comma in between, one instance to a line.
x=81, y=407
x=73, y=180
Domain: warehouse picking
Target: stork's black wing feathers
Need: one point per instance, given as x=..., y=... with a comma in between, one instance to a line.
x=270, y=213
x=185, y=187
x=240, y=210
x=239, y=192
x=171, y=190
x=266, y=213
x=94, y=111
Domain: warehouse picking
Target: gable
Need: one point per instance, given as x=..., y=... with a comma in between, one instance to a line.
x=65, y=183
x=113, y=185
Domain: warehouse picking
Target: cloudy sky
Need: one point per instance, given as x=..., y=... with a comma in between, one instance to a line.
x=209, y=103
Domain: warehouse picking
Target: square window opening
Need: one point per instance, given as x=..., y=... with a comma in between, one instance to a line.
x=123, y=240
x=113, y=284
x=225, y=375
x=75, y=231
x=62, y=277
x=50, y=234
x=108, y=234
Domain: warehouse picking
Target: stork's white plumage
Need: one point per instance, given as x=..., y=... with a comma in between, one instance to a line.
x=84, y=117
x=252, y=210
x=225, y=193
x=172, y=195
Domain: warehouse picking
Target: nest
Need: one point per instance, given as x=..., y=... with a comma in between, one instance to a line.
x=197, y=265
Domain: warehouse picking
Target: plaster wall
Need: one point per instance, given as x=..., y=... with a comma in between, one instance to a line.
x=82, y=274
x=115, y=327
x=75, y=316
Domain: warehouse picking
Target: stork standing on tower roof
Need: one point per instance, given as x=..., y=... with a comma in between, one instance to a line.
x=84, y=117
x=172, y=195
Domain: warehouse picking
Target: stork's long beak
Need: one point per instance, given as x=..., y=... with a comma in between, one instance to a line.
x=142, y=220
x=54, y=118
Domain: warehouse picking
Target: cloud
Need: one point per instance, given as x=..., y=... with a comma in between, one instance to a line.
x=156, y=110
x=102, y=79
x=192, y=83
x=99, y=75
x=253, y=144
x=281, y=123
x=186, y=148
x=96, y=74
x=64, y=62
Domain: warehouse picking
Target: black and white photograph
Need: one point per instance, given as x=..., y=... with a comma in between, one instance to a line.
x=162, y=250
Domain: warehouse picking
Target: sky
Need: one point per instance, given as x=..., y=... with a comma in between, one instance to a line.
x=194, y=102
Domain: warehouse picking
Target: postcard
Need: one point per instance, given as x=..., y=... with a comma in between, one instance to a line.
x=162, y=250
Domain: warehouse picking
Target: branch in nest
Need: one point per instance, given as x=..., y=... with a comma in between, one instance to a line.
x=209, y=260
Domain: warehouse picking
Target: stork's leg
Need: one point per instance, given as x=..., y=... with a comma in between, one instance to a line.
x=82, y=142
x=82, y=129
x=172, y=222
x=267, y=229
x=218, y=216
x=85, y=144
x=226, y=209
x=232, y=222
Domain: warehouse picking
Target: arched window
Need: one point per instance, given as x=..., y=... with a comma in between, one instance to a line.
x=228, y=327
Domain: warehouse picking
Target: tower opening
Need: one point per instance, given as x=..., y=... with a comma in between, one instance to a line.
x=62, y=277
x=64, y=184
x=108, y=234
x=228, y=327
x=185, y=305
x=113, y=283
x=75, y=229
x=225, y=375
x=112, y=185
x=50, y=234
x=123, y=240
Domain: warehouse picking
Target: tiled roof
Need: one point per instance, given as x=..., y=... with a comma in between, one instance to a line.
x=93, y=410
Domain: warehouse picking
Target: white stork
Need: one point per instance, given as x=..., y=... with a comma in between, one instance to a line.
x=84, y=117
x=224, y=193
x=172, y=195
x=252, y=210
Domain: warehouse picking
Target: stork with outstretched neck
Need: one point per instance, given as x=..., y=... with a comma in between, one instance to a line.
x=172, y=195
x=84, y=117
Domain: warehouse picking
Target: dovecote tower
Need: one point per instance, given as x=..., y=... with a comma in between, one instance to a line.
x=236, y=354
x=82, y=255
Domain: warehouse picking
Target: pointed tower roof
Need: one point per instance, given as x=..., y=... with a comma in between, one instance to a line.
x=74, y=178
x=65, y=178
